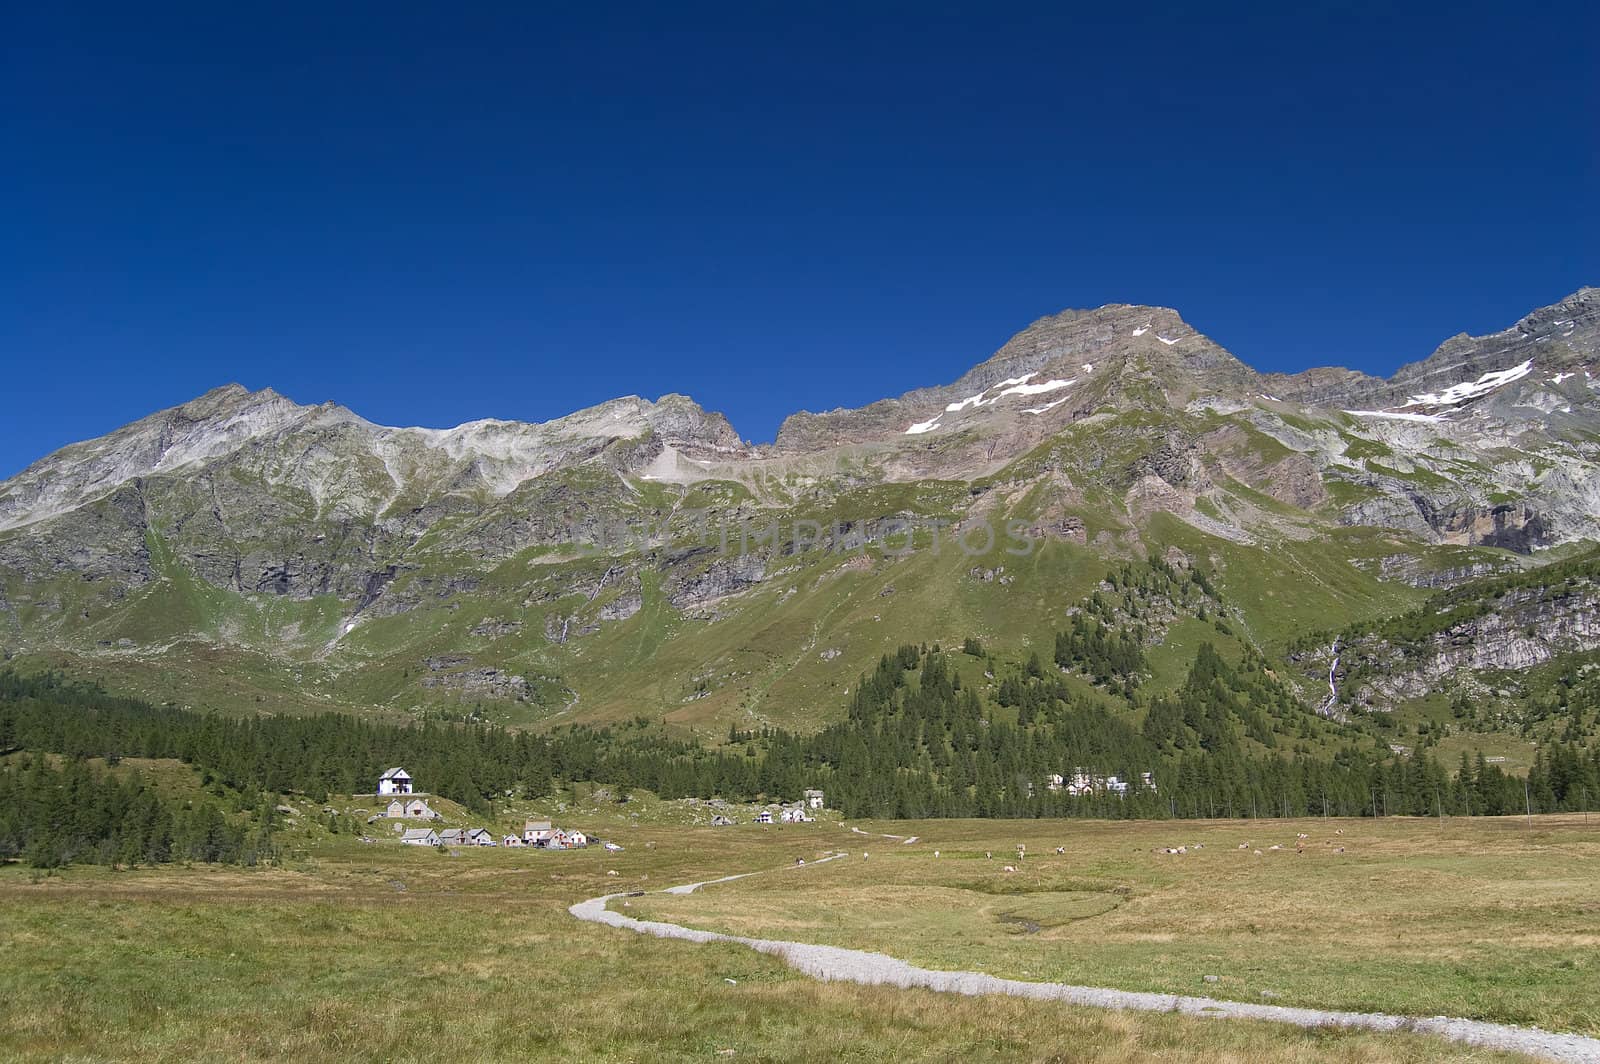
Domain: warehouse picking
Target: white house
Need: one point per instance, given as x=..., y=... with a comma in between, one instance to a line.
x=479, y=837
x=813, y=798
x=511, y=840
x=536, y=832
x=793, y=815
x=395, y=781
x=395, y=809
x=764, y=817
x=453, y=837
x=420, y=837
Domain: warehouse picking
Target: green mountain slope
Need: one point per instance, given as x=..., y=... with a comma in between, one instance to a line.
x=247, y=553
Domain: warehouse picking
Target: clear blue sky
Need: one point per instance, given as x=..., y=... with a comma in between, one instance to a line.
x=433, y=213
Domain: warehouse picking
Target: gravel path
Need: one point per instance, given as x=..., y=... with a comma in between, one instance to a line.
x=834, y=964
x=907, y=840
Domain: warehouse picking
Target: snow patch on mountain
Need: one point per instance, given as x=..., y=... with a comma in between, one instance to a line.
x=1035, y=389
x=1009, y=386
x=1460, y=393
x=1396, y=415
x=1046, y=407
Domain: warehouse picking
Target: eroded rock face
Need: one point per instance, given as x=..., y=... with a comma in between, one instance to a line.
x=1408, y=569
x=725, y=574
x=480, y=682
x=1527, y=628
x=1513, y=527
x=622, y=607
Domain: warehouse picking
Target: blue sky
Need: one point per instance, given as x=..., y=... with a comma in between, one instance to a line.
x=432, y=215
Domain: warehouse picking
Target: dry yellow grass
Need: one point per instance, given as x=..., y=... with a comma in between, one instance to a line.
x=1474, y=918
x=372, y=953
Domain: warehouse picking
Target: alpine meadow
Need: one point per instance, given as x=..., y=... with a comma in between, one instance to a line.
x=1144, y=687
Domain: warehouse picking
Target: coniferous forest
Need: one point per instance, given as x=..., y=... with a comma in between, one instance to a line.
x=51, y=816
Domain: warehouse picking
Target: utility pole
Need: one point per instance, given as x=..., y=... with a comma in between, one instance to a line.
x=1527, y=799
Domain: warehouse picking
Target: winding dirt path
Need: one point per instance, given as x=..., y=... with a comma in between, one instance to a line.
x=835, y=964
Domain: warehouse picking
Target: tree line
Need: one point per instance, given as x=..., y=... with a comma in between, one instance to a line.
x=52, y=816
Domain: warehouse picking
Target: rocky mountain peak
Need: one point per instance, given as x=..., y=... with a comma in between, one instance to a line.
x=345, y=461
x=1058, y=367
x=214, y=424
x=1153, y=341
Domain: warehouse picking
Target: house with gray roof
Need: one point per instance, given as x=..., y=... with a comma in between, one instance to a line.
x=395, y=781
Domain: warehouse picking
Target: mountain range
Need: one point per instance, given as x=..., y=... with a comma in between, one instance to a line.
x=639, y=559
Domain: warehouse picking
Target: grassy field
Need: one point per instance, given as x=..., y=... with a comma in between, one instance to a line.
x=374, y=952
x=1479, y=918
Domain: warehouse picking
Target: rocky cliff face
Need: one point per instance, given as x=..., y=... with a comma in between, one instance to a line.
x=1526, y=628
